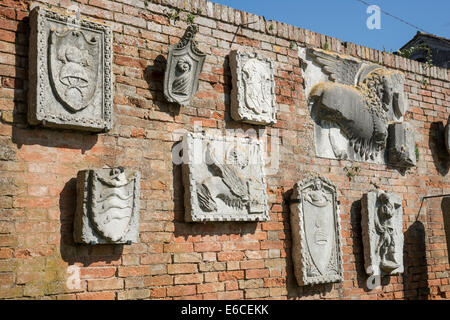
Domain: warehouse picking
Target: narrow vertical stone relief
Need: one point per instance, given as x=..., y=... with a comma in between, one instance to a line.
x=352, y=103
x=447, y=135
x=401, y=145
x=253, y=94
x=382, y=225
x=70, y=72
x=184, y=65
x=223, y=179
x=107, y=206
x=316, y=244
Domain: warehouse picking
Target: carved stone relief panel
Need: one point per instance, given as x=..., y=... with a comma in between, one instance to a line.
x=223, y=179
x=401, y=145
x=253, y=94
x=316, y=244
x=447, y=135
x=382, y=225
x=70, y=72
x=107, y=206
x=351, y=102
x=184, y=64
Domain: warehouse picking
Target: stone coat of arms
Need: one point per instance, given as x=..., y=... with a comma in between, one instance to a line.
x=184, y=65
x=253, y=93
x=108, y=206
x=70, y=72
x=316, y=249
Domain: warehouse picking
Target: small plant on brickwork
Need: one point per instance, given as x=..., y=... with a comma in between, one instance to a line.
x=271, y=27
x=352, y=171
x=190, y=18
x=291, y=45
x=408, y=52
x=174, y=15
x=424, y=82
x=199, y=11
x=325, y=46
x=416, y=151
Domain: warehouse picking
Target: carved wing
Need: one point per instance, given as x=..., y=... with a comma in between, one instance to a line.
x=339, y=69
x=206, y=202
x=231, y=178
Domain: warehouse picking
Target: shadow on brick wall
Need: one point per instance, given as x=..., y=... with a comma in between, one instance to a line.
x=415, y=276
x=445, y=206
x=22, y=132
x=436, y=143
x=154, y=75
x=78, y=253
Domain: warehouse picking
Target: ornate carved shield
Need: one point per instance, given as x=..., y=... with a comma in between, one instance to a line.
x=319, y=227
x=112, y=202
x=316, y=245
x=184, y=64
x=73, y=64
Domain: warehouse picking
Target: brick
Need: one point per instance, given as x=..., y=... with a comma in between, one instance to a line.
x=133, y=271
x=181, y=291
x=181, y=268
x=104, y=295
x=256, y=273
x=230, y=256
x=188, y=278
x=105, y=284
x=100, y=272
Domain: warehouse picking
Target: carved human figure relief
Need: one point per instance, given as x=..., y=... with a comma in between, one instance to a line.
x=224, y=179
x=108, y=206
x=184, y=65
x=315, y=227
x=70, y=72
x=382, y=225
x=351, y=102
x=253, y=92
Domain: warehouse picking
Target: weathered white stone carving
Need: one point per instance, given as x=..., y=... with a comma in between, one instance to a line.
x=447, y=135
x=70, y=72
x=401, y=145
x=223, y=179
x=381, y=221
x=352, y=103
x=253, y=94
x=107, y=206
x=316, y=244
x=184, y=64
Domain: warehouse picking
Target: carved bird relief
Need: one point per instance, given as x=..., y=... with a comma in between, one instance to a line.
x=226, y=183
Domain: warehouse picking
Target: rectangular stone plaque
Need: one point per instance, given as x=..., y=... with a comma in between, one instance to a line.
x=402, y=145
x=382, y=225
x=316, y=242
x=107, y=206
x=223, y=179
x=70, y=72
x=253, y=94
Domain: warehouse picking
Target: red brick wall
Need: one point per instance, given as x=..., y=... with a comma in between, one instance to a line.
x=200, y=261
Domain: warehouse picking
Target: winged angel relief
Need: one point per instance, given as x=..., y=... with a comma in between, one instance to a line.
x=353, y=103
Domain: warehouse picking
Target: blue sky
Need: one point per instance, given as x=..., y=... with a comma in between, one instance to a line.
x=346, y=19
